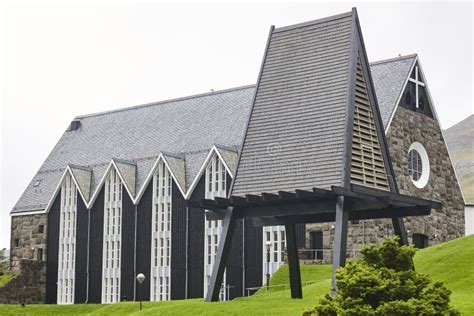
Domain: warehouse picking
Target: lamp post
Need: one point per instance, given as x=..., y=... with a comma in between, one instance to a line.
x=140, y=279
x=268, y=244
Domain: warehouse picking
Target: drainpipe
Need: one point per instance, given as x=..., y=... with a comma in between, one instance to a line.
x=135, y=257
x=243, y=257
x=186, y=256
x=88, y=255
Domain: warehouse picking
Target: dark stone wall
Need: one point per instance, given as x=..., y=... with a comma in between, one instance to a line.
x=25, y=228
x=442, y=225
x=28, y=286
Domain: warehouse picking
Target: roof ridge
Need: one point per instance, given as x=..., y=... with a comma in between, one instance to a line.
x=313, y=22
x=193, y=96
x=388, y=60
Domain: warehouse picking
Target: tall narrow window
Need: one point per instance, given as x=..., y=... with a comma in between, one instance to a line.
x=67, y=241
x=112, y=239
x=274, y=238
x=216, y=187
x=161, y=235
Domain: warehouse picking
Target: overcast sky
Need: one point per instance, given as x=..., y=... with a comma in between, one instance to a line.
x=63, y=60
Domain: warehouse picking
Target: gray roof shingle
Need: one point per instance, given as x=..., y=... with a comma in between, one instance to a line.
x=139, y=134
x=290, y=142
x=189, y=126
x=389, y=77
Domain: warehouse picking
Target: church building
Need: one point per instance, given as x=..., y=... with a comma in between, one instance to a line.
x=113, y=198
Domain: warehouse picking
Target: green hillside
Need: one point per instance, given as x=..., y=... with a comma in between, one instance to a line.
x=451, y=263
x=460, y=140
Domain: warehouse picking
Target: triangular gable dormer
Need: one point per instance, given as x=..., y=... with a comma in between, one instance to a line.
x=82, y=177
x=128, y=173
x=177, y=167
x=220, y=153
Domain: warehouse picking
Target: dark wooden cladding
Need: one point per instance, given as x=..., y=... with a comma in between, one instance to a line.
x=196, y=244
x=234, y=268
x=253, y=255
x=300, y=235
x=127, y=273
x=82, y=224
x=178, y=244
x=235, y=264
x=95, y=249
x=53, y=250
x=144, y=218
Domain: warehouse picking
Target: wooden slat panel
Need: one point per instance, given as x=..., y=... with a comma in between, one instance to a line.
x=367, y=166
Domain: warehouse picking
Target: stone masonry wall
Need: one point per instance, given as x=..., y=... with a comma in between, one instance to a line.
x=25, y=231
x=442, y=225
x=28, y=286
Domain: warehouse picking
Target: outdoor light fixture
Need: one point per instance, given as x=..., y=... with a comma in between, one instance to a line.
x=140, y=279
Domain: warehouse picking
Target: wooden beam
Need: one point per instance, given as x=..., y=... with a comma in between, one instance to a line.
x=237, y=201
x=400, y=230
x=270, y=197
x=340, y=238
x=395, y=197
x=222, y=202
x=251, y=198
x=282, y=209
x=287, y=195
x=223, y=250
x=293, y=262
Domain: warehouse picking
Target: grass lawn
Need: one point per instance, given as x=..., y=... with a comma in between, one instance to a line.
x=451, y=263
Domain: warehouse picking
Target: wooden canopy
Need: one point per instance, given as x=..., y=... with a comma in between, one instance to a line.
x=338, y=204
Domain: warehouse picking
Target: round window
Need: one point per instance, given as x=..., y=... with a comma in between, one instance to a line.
x=418, y=165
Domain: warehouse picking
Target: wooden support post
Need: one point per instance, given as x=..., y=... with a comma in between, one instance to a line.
x=340, y=238
x=293, y=261
x=225, y=241
x=400, y=231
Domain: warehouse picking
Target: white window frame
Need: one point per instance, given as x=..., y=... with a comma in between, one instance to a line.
x=425, y=162
x=160, y=284
x=216, y=186
x=67, y=242
x=277, y=249
x=112, y=244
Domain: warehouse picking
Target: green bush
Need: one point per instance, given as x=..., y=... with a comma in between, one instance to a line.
x=384, y=282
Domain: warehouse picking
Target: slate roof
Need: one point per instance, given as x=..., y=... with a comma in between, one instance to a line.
x=296, y=132
x=389, y=77
x=189, y=127
x=139, y=134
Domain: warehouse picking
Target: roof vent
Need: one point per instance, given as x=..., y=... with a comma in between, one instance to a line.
x=75, y=124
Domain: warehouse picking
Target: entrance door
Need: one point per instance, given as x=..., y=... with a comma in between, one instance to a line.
x=317, y=244
x=420, y=241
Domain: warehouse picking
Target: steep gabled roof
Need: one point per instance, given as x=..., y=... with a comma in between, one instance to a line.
x=390, y=77
x=139, y=134
x=300, y=129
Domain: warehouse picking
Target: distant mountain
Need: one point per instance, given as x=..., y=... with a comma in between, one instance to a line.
x=460, y=140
